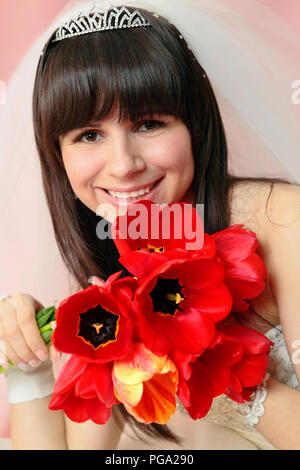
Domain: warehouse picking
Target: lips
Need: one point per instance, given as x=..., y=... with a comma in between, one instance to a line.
x=118, y=201
x=132, y=193
x=132, y=189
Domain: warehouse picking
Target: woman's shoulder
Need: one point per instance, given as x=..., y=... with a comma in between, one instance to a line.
x=247, y=200
x=272, y=211
x=263, y=206
x=284, y=205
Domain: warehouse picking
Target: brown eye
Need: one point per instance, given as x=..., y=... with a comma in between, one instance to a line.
x=90, y=137
x=152, y=125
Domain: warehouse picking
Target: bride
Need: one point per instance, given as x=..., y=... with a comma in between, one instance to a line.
x=151, y=74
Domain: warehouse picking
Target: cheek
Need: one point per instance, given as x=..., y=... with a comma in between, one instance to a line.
x=182, y=157
x=79, y=168
x=174, y=153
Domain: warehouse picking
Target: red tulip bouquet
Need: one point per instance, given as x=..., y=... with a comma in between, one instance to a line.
x=163, y=332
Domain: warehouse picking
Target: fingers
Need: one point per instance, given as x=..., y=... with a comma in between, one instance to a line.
x=25, y=313
x=16, y=348
x=18, y=329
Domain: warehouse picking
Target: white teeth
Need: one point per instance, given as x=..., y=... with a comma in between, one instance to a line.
x=124, y=195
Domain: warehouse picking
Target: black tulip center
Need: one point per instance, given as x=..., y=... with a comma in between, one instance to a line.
x=166, y=296
x=98, y=326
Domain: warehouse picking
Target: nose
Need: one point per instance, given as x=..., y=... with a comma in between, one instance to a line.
x=123, y=156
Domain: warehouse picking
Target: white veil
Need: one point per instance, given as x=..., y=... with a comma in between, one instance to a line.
x=252, y=59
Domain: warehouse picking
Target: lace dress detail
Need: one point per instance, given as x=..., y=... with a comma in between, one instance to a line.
x=280, y=367
x=255, y=409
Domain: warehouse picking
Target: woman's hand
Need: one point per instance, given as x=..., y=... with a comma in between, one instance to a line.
x=19, y=331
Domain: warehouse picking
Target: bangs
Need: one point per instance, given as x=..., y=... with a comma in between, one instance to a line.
x=87, y=75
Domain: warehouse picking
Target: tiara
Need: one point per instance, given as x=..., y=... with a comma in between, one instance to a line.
x=100, y=19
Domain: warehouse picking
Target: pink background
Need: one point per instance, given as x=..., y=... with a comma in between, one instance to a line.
x=21, y=22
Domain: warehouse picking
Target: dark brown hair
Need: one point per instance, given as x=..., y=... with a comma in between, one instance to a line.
x=146, y=70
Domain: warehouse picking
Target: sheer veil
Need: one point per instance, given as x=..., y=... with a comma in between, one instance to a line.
x=252, y=59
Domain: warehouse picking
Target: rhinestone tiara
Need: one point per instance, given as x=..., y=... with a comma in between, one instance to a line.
x=100, y=19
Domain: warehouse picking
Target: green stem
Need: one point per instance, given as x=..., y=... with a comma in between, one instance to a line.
x=2, y=369
x=46, y=328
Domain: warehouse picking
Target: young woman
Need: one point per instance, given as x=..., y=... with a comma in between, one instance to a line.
x=131, y=108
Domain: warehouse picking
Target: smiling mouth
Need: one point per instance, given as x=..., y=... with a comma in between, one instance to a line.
x=132, y=195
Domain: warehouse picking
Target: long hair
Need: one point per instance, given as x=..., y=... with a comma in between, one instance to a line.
x=146, y=70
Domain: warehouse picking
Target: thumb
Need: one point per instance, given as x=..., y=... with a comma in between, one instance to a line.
x=96, y=280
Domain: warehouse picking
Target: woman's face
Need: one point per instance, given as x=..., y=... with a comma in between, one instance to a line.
x=109, y=164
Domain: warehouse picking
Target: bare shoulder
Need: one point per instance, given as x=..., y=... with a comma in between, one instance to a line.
x=282, y=231
x=283, y=207
x=247, y=204
x=272, y=211
x=263, y=206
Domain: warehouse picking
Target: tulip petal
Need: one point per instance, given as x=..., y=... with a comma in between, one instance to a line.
x=201, y=274
x=129, y=394
x=219, y=377
x=141, y=366
x=234, y=388
x=182, y=362
x=190, y=331
x=58, y=399
x=70, y=373
x=149, y=329
x=75, y=409
x=97, y=411
x=235, y=243
x=253, y=342
x=104, y=384
x=85, y=386
x=183, y=393
x=142, y=263
x=201, y=392
x=251, y=370
x=159, y=400
x=215, y=303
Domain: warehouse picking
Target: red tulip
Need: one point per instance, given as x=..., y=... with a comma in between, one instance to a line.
x=178, y=304
x=247, y=373
x=204, y=377
x=245, y=272
x=173, y=236
x=84, y=391
x=97, y=323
